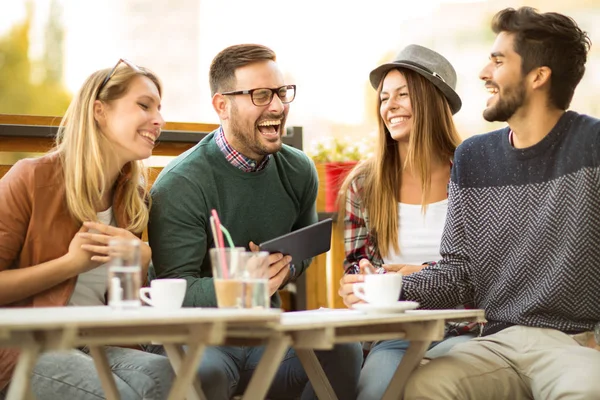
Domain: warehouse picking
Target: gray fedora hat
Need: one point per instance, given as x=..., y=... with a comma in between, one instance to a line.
x=433, y=66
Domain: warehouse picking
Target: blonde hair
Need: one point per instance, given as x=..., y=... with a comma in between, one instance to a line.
x=83, y=150
x=433, y=137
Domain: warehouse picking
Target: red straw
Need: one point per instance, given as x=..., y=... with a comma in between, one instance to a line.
x=221, y=243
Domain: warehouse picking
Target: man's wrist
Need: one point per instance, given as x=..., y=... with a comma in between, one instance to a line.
x=290, y=277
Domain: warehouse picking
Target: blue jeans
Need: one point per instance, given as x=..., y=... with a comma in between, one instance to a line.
x=72, y=375
x=226, y=371
x=385, y=356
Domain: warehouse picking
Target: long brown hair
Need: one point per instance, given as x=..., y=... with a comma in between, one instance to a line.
x=433, y=136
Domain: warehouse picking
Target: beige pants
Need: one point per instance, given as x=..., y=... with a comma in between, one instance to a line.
x=516, y=363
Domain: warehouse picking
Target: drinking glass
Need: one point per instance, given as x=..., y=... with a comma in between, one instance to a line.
x=240, y=277
x=124, y=274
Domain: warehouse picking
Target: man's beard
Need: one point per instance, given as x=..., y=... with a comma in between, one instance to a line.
x=507, y=104
x=249, y=136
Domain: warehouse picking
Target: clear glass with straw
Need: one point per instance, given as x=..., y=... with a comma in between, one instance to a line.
x=240, y=277
x=227, y=275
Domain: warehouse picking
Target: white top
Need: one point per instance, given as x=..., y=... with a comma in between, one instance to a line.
x=419, y=235
x=92, y=285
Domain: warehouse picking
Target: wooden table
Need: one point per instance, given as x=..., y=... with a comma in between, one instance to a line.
x=34, y=330
x=307, y=331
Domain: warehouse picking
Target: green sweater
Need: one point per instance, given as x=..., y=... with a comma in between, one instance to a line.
x=255, y=206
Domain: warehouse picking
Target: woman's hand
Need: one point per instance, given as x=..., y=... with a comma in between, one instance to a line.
x=78, y=257
x=403, y=269
x=97, y=243
x=347, y=282
x=346, y=290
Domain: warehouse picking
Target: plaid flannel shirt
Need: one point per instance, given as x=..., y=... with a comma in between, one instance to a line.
x=359, y=242
x=236, y=158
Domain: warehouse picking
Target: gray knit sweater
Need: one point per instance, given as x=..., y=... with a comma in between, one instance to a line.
x=522, y=235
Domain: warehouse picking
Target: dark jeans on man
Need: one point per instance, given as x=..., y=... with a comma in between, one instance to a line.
x=226, y=371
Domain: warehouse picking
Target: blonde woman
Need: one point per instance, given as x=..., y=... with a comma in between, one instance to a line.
x=57, y=214
x=395, y=203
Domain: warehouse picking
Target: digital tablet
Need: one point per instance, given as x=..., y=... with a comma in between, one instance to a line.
x=303, y=243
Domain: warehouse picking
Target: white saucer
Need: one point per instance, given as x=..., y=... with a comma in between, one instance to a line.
x=398, y=307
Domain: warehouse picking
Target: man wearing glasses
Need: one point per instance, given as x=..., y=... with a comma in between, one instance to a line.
x=261, y=189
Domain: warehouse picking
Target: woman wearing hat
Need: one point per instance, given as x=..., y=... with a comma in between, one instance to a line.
x=395, y=202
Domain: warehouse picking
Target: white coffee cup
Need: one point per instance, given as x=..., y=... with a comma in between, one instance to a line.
x=379, y=289
x=164, y=293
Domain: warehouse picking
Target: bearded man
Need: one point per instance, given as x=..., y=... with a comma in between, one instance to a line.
x=261, y=189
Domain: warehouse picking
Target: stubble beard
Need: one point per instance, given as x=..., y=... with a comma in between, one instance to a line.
x=507, y=105
x=249, y=137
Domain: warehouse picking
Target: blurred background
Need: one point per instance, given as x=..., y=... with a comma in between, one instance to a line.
x=327, y=48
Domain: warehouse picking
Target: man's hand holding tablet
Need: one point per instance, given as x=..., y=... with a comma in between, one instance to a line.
x=294, y=247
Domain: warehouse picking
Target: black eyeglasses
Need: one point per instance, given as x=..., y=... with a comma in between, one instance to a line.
x=112, y=72
x=263, y=96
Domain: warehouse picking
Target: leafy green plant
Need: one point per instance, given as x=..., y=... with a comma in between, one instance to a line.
x=336, y=150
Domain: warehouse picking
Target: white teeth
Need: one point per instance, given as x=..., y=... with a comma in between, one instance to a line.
x=492, y=90
x=397, y=120
x=148, y=135
x=270, y=123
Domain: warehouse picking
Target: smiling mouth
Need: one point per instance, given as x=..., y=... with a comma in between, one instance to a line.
x=493, y=91
x=398, y=120
x=149, y=136
x=269, y=127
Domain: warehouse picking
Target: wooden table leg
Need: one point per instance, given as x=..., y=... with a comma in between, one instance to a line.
x=104, y=372
x=176, y=356
x=411, y=360
x=316, y=375
x=20, y=386
x=186, y=373
x=267, y=368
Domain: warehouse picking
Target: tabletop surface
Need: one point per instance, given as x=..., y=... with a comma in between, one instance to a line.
x=346, y=317
x=56, y=317
x=102, y=316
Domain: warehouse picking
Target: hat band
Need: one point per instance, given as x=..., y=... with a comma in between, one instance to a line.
x=419, y=66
